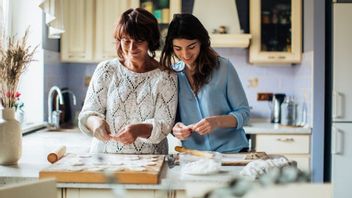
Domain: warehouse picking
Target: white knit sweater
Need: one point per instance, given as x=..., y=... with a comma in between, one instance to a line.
x=125, y=97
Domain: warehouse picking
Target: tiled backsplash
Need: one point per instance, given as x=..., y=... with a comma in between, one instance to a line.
x=292, y=80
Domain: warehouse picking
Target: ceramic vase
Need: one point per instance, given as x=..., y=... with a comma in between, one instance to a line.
x=10, y=137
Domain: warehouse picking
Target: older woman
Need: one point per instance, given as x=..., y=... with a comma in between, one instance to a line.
x=131, y=103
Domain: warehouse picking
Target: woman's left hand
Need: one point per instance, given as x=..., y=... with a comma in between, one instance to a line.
x=129, y=133
x=205, y=126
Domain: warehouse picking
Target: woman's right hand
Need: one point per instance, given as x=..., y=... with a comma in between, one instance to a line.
x=99, y=127
x=181, y=131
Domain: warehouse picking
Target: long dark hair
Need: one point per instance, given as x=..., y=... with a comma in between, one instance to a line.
x=139, y=24
x=187, y=26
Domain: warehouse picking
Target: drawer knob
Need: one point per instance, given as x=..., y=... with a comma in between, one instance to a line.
x=285, y=139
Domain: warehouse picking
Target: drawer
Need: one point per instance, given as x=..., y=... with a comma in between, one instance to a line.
x=303, y=162
x=283, y=144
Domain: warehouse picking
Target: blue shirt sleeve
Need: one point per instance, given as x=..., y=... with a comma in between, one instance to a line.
x=236, y=96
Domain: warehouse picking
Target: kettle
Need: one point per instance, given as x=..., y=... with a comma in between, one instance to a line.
x=276, y=107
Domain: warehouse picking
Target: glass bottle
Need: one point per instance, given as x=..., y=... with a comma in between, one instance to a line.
x=289, y=112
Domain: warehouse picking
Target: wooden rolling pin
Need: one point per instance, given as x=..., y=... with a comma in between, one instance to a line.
x=57, y=154
x=193, y=152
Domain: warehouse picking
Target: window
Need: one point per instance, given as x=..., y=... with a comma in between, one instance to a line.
x=4, y=28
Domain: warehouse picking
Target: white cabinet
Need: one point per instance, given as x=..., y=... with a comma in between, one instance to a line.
x=89, y=27
x=130, y=193
x=107, y=14
x=77, y=40
x=293, y=146
x=276, y=29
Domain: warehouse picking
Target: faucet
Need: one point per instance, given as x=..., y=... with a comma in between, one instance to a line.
x=71, y=93
x=54, y=122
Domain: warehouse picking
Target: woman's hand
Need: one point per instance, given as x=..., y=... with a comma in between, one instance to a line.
x=205, y=126
x=99, y=127
x=182, y=131
x=129, y=133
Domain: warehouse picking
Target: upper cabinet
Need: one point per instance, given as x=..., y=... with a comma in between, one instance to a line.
x=77, y=40
x=89, y=26
x=276, y=29
x=107, y=14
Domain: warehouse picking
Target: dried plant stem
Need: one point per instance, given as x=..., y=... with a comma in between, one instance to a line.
x=14, y=59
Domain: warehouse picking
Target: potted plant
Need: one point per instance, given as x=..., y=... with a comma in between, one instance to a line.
x=15, y=55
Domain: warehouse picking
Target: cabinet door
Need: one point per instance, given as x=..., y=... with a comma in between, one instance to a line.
x=107, y=16
x=283, y=144
x=77, y=40
x=303, y=161
x=342, y=42
x=276, y=29
x=107, y=193
x=341, y=150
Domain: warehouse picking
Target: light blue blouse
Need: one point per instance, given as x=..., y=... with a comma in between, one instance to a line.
x=223, y=95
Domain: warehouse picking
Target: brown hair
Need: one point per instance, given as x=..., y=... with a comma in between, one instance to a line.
x=187, y=26
x=140, y=25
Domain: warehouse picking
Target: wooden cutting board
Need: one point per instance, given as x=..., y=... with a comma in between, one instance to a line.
x=242, y=159
x=125, y=169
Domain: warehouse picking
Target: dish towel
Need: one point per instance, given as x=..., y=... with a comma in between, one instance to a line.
x=257, y=168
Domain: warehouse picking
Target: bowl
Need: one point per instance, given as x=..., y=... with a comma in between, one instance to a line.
x=196, y=165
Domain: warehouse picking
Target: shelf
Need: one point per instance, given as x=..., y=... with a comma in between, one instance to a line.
x=230, y=40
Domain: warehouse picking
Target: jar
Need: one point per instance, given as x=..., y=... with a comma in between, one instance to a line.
x=266, y=17
x=289, y=112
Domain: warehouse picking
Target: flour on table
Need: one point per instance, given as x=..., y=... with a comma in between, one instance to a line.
x=201, y=167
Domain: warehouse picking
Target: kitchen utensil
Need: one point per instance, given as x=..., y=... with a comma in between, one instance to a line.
x=56, y=154
x=171, y=160
x=276, y=107
x=194, y=152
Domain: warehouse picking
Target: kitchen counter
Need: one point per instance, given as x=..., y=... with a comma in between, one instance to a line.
x=35, y=148
x=265, y=127
x=37, y=145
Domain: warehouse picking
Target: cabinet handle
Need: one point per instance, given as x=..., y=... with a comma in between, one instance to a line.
x=285, y=139
x=337, y=139
x=337, y=102
x=282, y=57
x=71, y=56
x=271, y=57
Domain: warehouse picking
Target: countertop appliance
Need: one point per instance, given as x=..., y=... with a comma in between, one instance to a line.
x=341, y=145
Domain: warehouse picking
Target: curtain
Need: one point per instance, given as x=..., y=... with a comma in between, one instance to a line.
x=2, y=20
x=53, y=10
